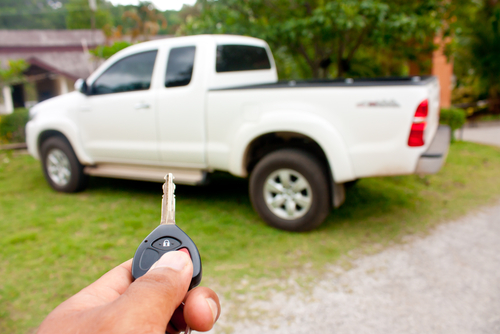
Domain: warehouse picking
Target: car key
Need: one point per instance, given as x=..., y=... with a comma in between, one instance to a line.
x=165, y=238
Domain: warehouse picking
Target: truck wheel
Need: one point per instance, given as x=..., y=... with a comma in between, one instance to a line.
x=61, y=167
x=289, y=190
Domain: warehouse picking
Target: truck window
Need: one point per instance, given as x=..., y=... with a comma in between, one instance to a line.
x=126, y=75
x=180, y=66
x=241, y=58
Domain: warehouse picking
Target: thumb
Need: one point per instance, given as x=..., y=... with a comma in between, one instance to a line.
x=149, y=302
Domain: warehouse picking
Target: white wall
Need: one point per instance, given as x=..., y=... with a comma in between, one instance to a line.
x=6, y=105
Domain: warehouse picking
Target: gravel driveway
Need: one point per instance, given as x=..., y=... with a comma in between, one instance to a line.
x=447, y=282
x=483, y=133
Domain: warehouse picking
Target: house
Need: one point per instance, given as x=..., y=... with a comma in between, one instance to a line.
x=56, y=58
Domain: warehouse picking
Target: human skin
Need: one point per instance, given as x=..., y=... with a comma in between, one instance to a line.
x=151, y=304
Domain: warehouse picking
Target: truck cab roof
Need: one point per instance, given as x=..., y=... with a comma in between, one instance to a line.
x=242, y=49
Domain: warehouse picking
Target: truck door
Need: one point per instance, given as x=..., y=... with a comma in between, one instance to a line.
x=117, y=120
x=181, y=103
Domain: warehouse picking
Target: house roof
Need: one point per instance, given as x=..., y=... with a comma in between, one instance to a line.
x=50, y=38
x=73, y=65
x=58, y=51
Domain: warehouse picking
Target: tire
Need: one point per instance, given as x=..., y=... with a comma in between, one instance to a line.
x=300, y=208
x=61, y=168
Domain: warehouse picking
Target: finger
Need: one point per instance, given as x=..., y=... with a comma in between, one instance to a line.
x=118, y=278
x=103, y=291
x=152, y=299
x=201, y=309
x=109, y=287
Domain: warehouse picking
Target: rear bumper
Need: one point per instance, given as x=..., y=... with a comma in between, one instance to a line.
x=431, y=161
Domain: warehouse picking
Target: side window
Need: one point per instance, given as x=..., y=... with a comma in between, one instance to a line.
x=180, y=66
x=241, y=58
x=126, y=75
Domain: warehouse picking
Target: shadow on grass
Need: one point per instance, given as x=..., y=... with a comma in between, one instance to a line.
x=368, y=198
x=221, y=186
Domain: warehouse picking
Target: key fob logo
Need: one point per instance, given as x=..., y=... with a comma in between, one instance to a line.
x=166, y=243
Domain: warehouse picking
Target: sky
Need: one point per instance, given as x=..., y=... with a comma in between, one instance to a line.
x=160, y=4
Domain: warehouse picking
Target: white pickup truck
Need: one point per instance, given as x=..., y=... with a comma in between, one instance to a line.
x=194, y=105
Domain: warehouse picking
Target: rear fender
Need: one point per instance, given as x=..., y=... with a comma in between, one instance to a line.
x=310, y=125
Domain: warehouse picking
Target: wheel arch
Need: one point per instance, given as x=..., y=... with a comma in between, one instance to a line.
x=44, y=135
x=70, y=136
x=273, y=141
x=312, y=131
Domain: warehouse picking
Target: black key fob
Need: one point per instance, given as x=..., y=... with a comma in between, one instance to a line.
x=166, y=238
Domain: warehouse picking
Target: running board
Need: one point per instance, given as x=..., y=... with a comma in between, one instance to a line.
x=155, y=174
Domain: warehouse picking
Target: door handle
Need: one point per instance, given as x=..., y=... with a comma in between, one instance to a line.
x=141, y=105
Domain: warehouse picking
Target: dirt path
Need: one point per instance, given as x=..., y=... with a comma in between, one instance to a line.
x=447, y=282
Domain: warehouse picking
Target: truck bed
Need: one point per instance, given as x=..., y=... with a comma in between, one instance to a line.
x=342, y=82
x=365, y=122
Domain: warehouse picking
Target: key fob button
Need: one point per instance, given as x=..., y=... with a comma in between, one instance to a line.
x=148, y=258
x=166, y=244
x=185, y=250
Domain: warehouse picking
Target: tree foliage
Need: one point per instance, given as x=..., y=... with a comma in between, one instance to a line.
x=13, y=72
x=79, y=15
x=32, y=14
x=485, y=52
x=106, y=52
x=319, y=33
x=147, y=21
x=477, y=50
x=74, y=14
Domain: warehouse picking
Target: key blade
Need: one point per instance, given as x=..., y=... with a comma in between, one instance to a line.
x=168, y=201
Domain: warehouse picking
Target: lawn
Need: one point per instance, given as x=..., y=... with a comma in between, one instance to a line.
x=54, y=244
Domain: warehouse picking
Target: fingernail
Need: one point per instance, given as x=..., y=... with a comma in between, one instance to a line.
x=213, y=307
x=173, y=260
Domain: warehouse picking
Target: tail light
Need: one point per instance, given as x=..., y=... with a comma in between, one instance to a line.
x=416, y=137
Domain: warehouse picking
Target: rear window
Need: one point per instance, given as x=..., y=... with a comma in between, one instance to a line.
x=231, y=58
x=180, y=66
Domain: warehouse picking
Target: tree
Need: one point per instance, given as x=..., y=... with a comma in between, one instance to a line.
x=32, y=14
x=316, y=34
x=476, y=50
x=105, y=52
x=13, y=73
x=485, y=51
x=79, y=14
x=148, y=21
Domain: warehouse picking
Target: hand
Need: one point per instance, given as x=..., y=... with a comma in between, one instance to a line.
x=113, y=304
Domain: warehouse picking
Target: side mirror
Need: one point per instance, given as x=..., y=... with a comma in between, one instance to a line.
x=81, y=86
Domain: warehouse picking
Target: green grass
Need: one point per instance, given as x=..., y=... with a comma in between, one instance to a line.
x=53, y=244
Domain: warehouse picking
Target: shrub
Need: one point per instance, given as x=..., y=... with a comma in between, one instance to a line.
x=454, y=118
x=12, y=126
x=105, y=51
